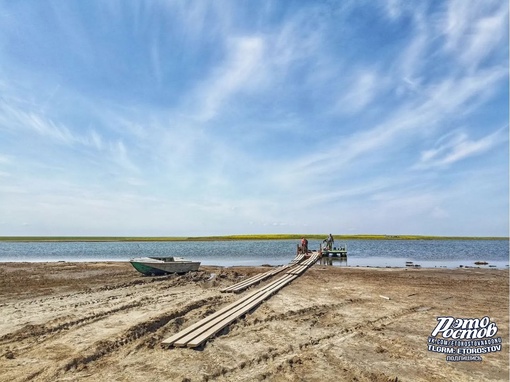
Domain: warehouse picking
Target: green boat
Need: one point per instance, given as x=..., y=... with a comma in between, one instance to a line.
x=157, y=266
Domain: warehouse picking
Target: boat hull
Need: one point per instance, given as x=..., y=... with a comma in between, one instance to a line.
x=162, y=268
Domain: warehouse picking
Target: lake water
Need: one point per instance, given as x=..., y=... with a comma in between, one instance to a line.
x=380, y=253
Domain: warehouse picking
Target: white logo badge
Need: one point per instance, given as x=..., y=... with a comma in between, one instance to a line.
x=464, y=339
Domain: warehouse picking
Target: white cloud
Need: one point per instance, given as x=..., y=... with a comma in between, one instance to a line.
x=412, y=60
x=489, y=32
x=393, y=8
x=240, y=71
x=475, y=29
x=362, y=90
x=24, y=117
x=407, y=124
x=457, y=146
x=339, y=136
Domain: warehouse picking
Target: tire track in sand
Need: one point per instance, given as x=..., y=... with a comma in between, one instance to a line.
x=283, y=359
x=91, y=301
x=135, y=332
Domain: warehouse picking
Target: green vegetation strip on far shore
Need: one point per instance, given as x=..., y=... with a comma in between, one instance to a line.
x=236, y=237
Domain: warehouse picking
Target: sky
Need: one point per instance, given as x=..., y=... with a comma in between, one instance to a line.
x=192, y=118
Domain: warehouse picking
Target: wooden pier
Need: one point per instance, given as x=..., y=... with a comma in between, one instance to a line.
x=239, y=287
x=198, y=333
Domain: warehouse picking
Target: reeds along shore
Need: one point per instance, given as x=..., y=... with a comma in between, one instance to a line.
x=237, y=237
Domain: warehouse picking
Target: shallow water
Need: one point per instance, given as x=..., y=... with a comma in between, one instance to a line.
x=383, y=253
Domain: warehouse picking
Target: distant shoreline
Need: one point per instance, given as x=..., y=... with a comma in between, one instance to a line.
x=235, y=237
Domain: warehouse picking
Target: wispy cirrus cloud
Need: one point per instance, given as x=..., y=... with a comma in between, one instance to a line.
x=16, y=117
x=232, y=117
x=240, y=70
x=364, y=88
x=418, y=117
x=457, y=146
x=27, y=120
x=474, y=30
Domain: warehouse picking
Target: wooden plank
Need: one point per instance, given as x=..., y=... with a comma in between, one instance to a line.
x=254, y=279
x=248, y=281
x=232, y=313
x=298, y=258
x=196, y=325
x=199, y=332
x=304, y=265
x=205, y=325
x=189, y=329
x=197, y=341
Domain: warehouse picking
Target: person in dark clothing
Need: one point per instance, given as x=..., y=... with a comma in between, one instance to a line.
x=330, y=241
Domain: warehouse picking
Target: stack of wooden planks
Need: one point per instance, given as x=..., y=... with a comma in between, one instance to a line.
x=198, y=333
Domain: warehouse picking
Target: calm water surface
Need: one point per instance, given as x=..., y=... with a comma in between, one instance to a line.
x=395, y=253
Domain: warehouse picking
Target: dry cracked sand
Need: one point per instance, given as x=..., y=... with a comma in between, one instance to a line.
x=105, y=322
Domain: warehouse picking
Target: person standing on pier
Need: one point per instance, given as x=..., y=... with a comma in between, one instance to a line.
x=330, y=241
x=304, y=245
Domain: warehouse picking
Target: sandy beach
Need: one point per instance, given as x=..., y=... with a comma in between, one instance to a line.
x=105, y=322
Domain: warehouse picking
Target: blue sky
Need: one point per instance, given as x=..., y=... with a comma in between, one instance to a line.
x=170, y=118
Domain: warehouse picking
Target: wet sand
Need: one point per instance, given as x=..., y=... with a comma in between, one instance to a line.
x=105, y=322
